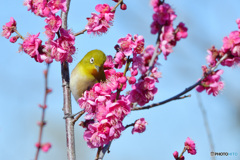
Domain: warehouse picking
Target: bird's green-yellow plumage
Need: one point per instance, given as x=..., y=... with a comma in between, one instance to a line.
x=87, y=72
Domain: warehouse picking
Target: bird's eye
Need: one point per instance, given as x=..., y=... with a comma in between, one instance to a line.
x=92, y=60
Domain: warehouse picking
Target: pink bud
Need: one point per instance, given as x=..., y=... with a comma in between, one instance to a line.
x=123, y=6
x=37, y=145
x=44, y=107
x=14, y=39
x=46, y=146
x=49, y=90
x=132, y=80
x=134, y=72
x=175, y=154
x=45, y=72
x=122, y=79
x=41, y=123
x=181, y=158
x=117, y=47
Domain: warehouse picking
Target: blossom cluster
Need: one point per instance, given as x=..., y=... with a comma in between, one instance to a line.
x=189, y=146
x=162, y=24
x=45, y=8
x=231, y=49
x=99, y=23
x=60, y=49
x=104, y=104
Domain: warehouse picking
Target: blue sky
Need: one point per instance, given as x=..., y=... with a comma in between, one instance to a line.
x=22, y=85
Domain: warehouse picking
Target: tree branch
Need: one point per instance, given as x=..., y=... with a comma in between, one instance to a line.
x=178, y=96
x=44, y=106
x=67, y=107
x=81, y=32
x=115, y=7
x=78, y=116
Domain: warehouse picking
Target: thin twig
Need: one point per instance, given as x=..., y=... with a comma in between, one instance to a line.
x=15, y=30
x=67, y=107
x=184, y=150
x=206, y=124
x=151, y=63
x=103, y=151
x=78, y=116
x=42, y=122
x=79, y=33
x=178, y=96
x=115, y=7
x=129, y=125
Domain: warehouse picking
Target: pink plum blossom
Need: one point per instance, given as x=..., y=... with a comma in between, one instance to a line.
x=155, y=27
x=109, y=63
x=87, y=102
x=105, y=11
x=233, y=39
x=190, y=146
x=56, y=5
x=100, y=133
x=126, y=45
x=146, y=58
x=45, y=8
x=164, y=15
x=119, y=60
x=167, y=40
x=63, y=48
x=211, y=58
x=53, y=25
x=211, y=83
x=182, y=31
x=139, y=126
x=167, y=33
x=32, y=46
x=38, y=7
x=99, y=24
x=166, y=48
x=93, y=138
x=155, y=4
x=137, y=62
x=9, y=28
x=155, y=74
x=163, y=24
x=143, y=91
x=114, y=79
x=139, y=43
x=119, y=108
x=55, y=22
x=134, y=72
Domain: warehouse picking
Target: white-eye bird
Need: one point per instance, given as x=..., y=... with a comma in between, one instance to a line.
x=87, y=72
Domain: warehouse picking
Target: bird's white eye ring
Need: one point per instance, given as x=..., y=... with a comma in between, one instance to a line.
x=91, y=60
